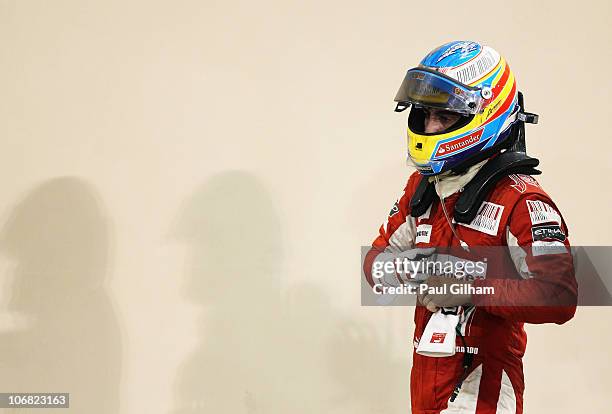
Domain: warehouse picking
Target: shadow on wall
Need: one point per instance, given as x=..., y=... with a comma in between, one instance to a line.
x=64, y=336
x=263, y=347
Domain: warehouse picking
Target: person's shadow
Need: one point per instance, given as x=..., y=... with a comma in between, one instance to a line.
x=59, y=331
x=266, y=346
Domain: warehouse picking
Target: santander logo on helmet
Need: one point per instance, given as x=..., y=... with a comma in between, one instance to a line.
x=468, y=78
x=456, y=145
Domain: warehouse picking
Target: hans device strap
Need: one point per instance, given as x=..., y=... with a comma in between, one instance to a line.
x=474, y=193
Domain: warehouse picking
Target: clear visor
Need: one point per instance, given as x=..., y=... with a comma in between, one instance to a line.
x=425, y=87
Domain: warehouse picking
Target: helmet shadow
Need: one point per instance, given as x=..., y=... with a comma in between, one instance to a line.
x=265, y=344
x=61, y=332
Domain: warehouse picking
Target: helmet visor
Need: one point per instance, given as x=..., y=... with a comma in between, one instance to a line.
x=425, y=87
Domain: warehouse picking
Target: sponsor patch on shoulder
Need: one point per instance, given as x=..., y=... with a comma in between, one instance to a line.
x=529, y=180
x=520, y=182
x=540, y=212
x=487, y=219
x=548, y=232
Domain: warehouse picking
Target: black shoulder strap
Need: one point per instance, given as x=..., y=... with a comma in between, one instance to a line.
x=422, y=197
x=479, y=187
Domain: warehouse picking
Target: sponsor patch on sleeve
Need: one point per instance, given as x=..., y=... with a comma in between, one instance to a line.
x=487, y=219
x=540, y=212
x=394, y=209
x=542, y=247
x=548, y=232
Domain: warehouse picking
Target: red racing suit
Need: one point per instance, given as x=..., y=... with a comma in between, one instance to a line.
x=514, y=214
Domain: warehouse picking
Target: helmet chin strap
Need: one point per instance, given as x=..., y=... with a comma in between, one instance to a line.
x=448, y=220
x=522, y=119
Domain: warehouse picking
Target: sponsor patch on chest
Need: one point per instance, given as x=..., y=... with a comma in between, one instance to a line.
x=487, y=219
x=423, y=233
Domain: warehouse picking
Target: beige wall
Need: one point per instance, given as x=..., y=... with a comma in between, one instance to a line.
x=186, y=184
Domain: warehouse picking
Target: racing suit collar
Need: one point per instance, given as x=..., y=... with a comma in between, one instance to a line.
x=449, y=183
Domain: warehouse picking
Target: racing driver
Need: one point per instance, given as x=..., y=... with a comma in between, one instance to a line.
x=473, y=186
